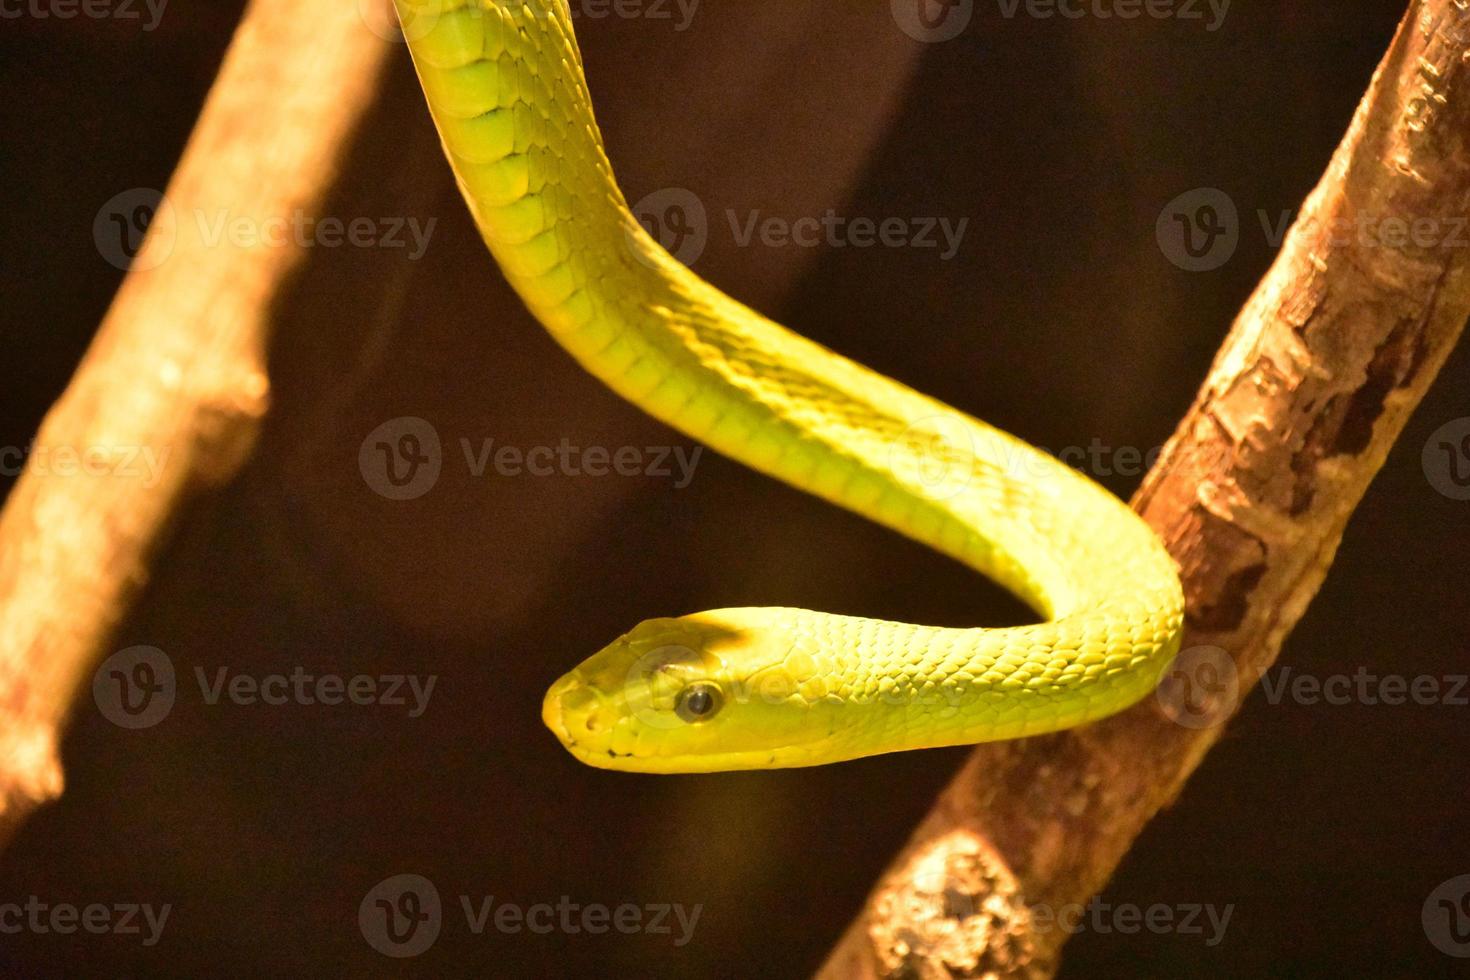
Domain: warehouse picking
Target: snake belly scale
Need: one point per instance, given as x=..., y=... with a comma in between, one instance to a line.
x=750, y=688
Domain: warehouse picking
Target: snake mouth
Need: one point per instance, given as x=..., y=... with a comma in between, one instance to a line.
x=583, y=719
x=576, y=715
x=696, y=763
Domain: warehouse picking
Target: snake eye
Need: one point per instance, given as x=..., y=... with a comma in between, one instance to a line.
x=698, y=702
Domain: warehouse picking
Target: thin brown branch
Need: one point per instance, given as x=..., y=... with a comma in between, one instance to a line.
x=1312, y=387
x=169, y=396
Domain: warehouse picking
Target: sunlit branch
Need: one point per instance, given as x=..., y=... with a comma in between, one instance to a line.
x=1313, y=385
x=169, y=396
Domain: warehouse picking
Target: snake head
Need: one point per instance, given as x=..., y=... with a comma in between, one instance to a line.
x=702, y=693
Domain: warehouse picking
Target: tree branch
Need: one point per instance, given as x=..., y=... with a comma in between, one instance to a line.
x=169, y=396
x=1313, y=385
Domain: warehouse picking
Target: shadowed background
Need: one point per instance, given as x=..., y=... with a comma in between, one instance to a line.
x=1060, y=319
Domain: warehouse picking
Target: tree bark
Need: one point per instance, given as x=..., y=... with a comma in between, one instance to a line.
x=1313, y=385
x=169, y=396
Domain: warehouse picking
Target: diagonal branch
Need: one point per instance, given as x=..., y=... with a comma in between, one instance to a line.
x=169, y=396
x=1313, y=385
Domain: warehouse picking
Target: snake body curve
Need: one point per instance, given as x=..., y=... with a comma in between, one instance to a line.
x=773, y=687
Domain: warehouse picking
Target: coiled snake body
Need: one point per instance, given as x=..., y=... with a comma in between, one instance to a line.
x=770, y=687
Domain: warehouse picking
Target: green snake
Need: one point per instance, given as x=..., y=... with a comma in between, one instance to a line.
x=754, y=688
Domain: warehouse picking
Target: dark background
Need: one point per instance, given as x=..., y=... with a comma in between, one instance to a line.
x=1060, y=319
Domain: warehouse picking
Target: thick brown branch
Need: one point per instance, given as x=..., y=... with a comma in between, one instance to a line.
x=170, y=394
x=1312, y=387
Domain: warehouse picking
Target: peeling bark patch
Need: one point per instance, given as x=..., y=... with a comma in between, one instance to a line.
x=1229, y=610
x=1318, y=443
x=1394, y=365
x=1344, y=425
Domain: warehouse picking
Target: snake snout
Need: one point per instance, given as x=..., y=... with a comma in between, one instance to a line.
x=573, y=710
